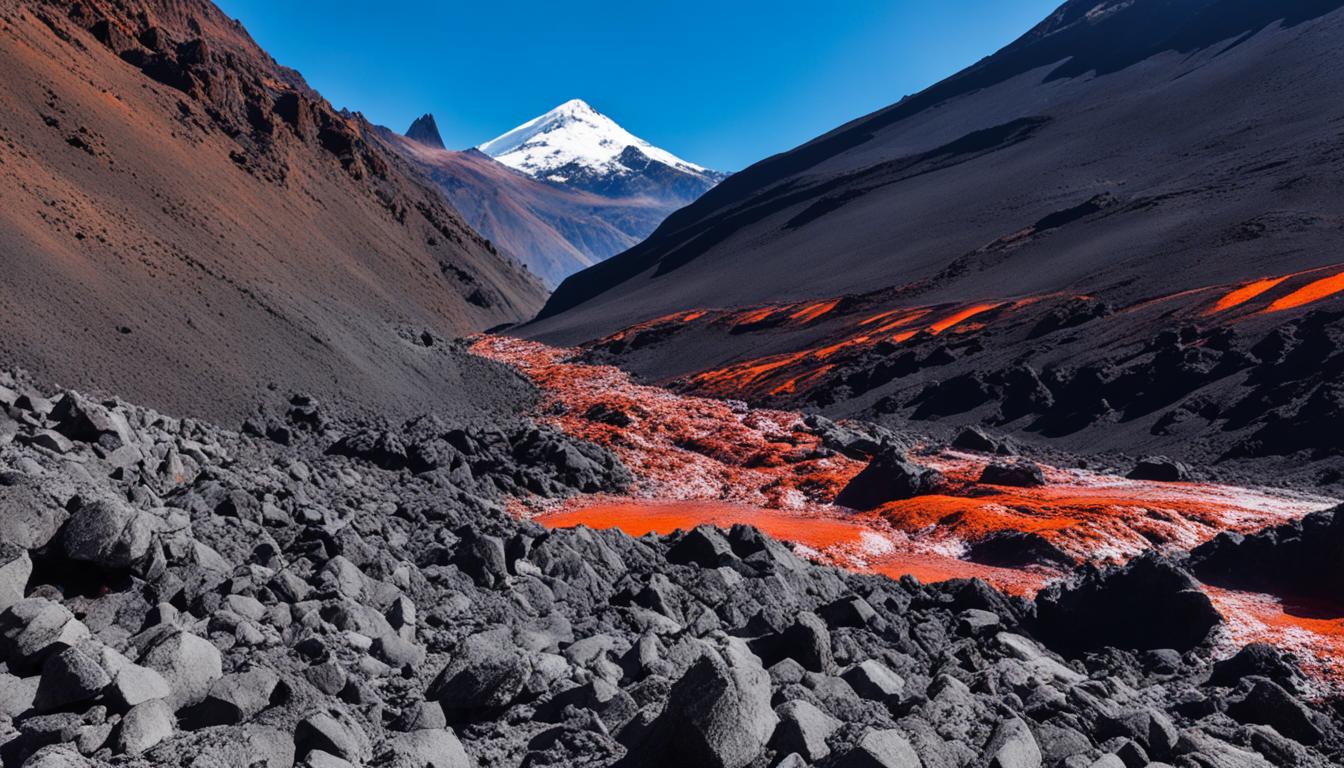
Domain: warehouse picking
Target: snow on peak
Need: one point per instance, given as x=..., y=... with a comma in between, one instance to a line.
x=574, y=133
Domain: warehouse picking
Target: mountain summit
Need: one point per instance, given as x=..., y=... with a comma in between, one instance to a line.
x=425, y=131
x=577, y=146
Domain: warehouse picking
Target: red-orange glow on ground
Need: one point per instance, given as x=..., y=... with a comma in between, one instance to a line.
x=845, y=539
x=699, y=461
x=1314, y=632
x=1312, y=292
x=959, y=316
x=1245, y=293
x=697, y=449
x=810, y=312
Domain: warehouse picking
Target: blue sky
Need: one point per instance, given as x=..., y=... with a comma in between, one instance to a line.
x=719, y=82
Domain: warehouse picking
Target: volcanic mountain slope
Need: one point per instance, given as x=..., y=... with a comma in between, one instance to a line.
x=185, y=221
x=576, y=146
x=554, y=229
x=1086, y=234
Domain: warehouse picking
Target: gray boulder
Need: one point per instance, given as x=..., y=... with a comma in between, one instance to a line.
x=1013, y=746
x=189, y=664
x=15, y=569
x=108, y=533
x=803, y=729
x=68, y=677
x=333, y=733
x=34, y=628
x=29, y=516
x=717, y=715
x=238, y=697
x=882, y=749
x=429, y=749
x=145, y=726
x=487, y=672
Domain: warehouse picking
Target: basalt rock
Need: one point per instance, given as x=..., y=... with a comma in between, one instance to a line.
x=888, y=477
x=1018, y=474
x=1149, y=603
x=1160, y=469
x=1298, y=559
x=295, y=606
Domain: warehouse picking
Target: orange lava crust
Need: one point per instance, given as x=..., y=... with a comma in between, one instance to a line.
x=700, y=461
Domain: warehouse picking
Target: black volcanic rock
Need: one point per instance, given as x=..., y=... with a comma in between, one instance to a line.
x=890, y=476
x=425, y=131
x=1300, y=559
x=1147, y=604
x=281, y=600
x=1015, y=549
x=1019, y=474
x=1160, y=469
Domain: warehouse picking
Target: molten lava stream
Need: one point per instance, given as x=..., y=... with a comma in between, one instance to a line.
x=1310, y=293
x=701, y=461
x=855, y=541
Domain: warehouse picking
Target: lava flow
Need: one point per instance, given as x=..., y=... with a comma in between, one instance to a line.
x=701, y=461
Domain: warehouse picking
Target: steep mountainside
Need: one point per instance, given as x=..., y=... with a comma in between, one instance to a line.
x=554, y=229
x=1108, y=215
x=185, y=222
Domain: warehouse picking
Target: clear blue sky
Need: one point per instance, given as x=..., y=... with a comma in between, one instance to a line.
x=720, y=82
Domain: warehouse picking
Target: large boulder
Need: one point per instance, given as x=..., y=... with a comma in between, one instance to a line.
x=487, y=673
x=35, y=628
x=887, y=748
x=803, y=729
x=69, y=677
x=145, y=726
x=888, y=477
x=1147, y=604
x=188, y=663
x=80, y=419
x=1299, y=559
x=29, y=516
x=437, y=748
x=1017, y=474
x=1159, y=469
x=109, y=533
x=717, y=715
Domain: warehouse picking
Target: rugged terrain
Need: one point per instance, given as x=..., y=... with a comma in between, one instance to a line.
x=1047, y=242
x=184, y=221
x=326, y=592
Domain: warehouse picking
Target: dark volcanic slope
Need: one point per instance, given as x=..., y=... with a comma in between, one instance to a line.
x=1113, y=233
x=554, y=230
x=184, y=221
x=1203, y=118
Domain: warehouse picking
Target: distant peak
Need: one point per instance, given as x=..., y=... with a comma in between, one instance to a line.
x=425, y=131
x=574, y=134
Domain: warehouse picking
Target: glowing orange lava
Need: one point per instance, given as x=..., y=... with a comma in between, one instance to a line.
x=959, y=316
x=1312, y=292
x=1245, y=293
x=700, y=461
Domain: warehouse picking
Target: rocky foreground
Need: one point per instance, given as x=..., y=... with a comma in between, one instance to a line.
x=318, y=592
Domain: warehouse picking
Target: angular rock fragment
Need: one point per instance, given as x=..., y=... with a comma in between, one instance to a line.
x=717, y=715
x=882, y=749
x=1147, y=604
x=888, y=477
x=803, y=729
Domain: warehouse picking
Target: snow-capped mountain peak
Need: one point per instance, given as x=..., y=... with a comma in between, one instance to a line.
x=575, y=140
